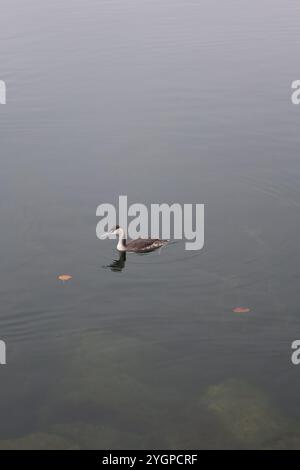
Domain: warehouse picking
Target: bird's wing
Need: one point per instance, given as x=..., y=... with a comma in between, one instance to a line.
x=144, y=244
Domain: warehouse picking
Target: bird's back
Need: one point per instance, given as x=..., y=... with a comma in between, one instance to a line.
x=145, y=245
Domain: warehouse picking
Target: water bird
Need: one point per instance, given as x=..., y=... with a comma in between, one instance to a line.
x=140, y=245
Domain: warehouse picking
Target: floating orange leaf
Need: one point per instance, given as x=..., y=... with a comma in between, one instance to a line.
x=64, y=277
x=241, y=310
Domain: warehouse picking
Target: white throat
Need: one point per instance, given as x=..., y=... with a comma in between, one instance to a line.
x=121, y=246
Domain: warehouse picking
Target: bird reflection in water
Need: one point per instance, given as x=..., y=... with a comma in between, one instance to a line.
x=117, y=265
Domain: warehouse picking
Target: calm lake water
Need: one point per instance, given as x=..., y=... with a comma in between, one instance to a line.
x=165, y=101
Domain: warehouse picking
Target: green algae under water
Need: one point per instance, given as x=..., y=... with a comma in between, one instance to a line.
x=106, y=382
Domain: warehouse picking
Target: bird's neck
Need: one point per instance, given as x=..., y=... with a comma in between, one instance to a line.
x=122, y=242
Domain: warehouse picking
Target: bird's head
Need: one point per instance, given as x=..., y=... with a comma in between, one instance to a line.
x=117, y=230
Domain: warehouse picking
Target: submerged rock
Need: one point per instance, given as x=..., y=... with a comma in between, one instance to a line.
x=245, y=412
x=90, y=436
x=111, y=381
x=289, y=441
x=74, y=436
x=38, y=441
x=198, y=429
x=106, y=375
